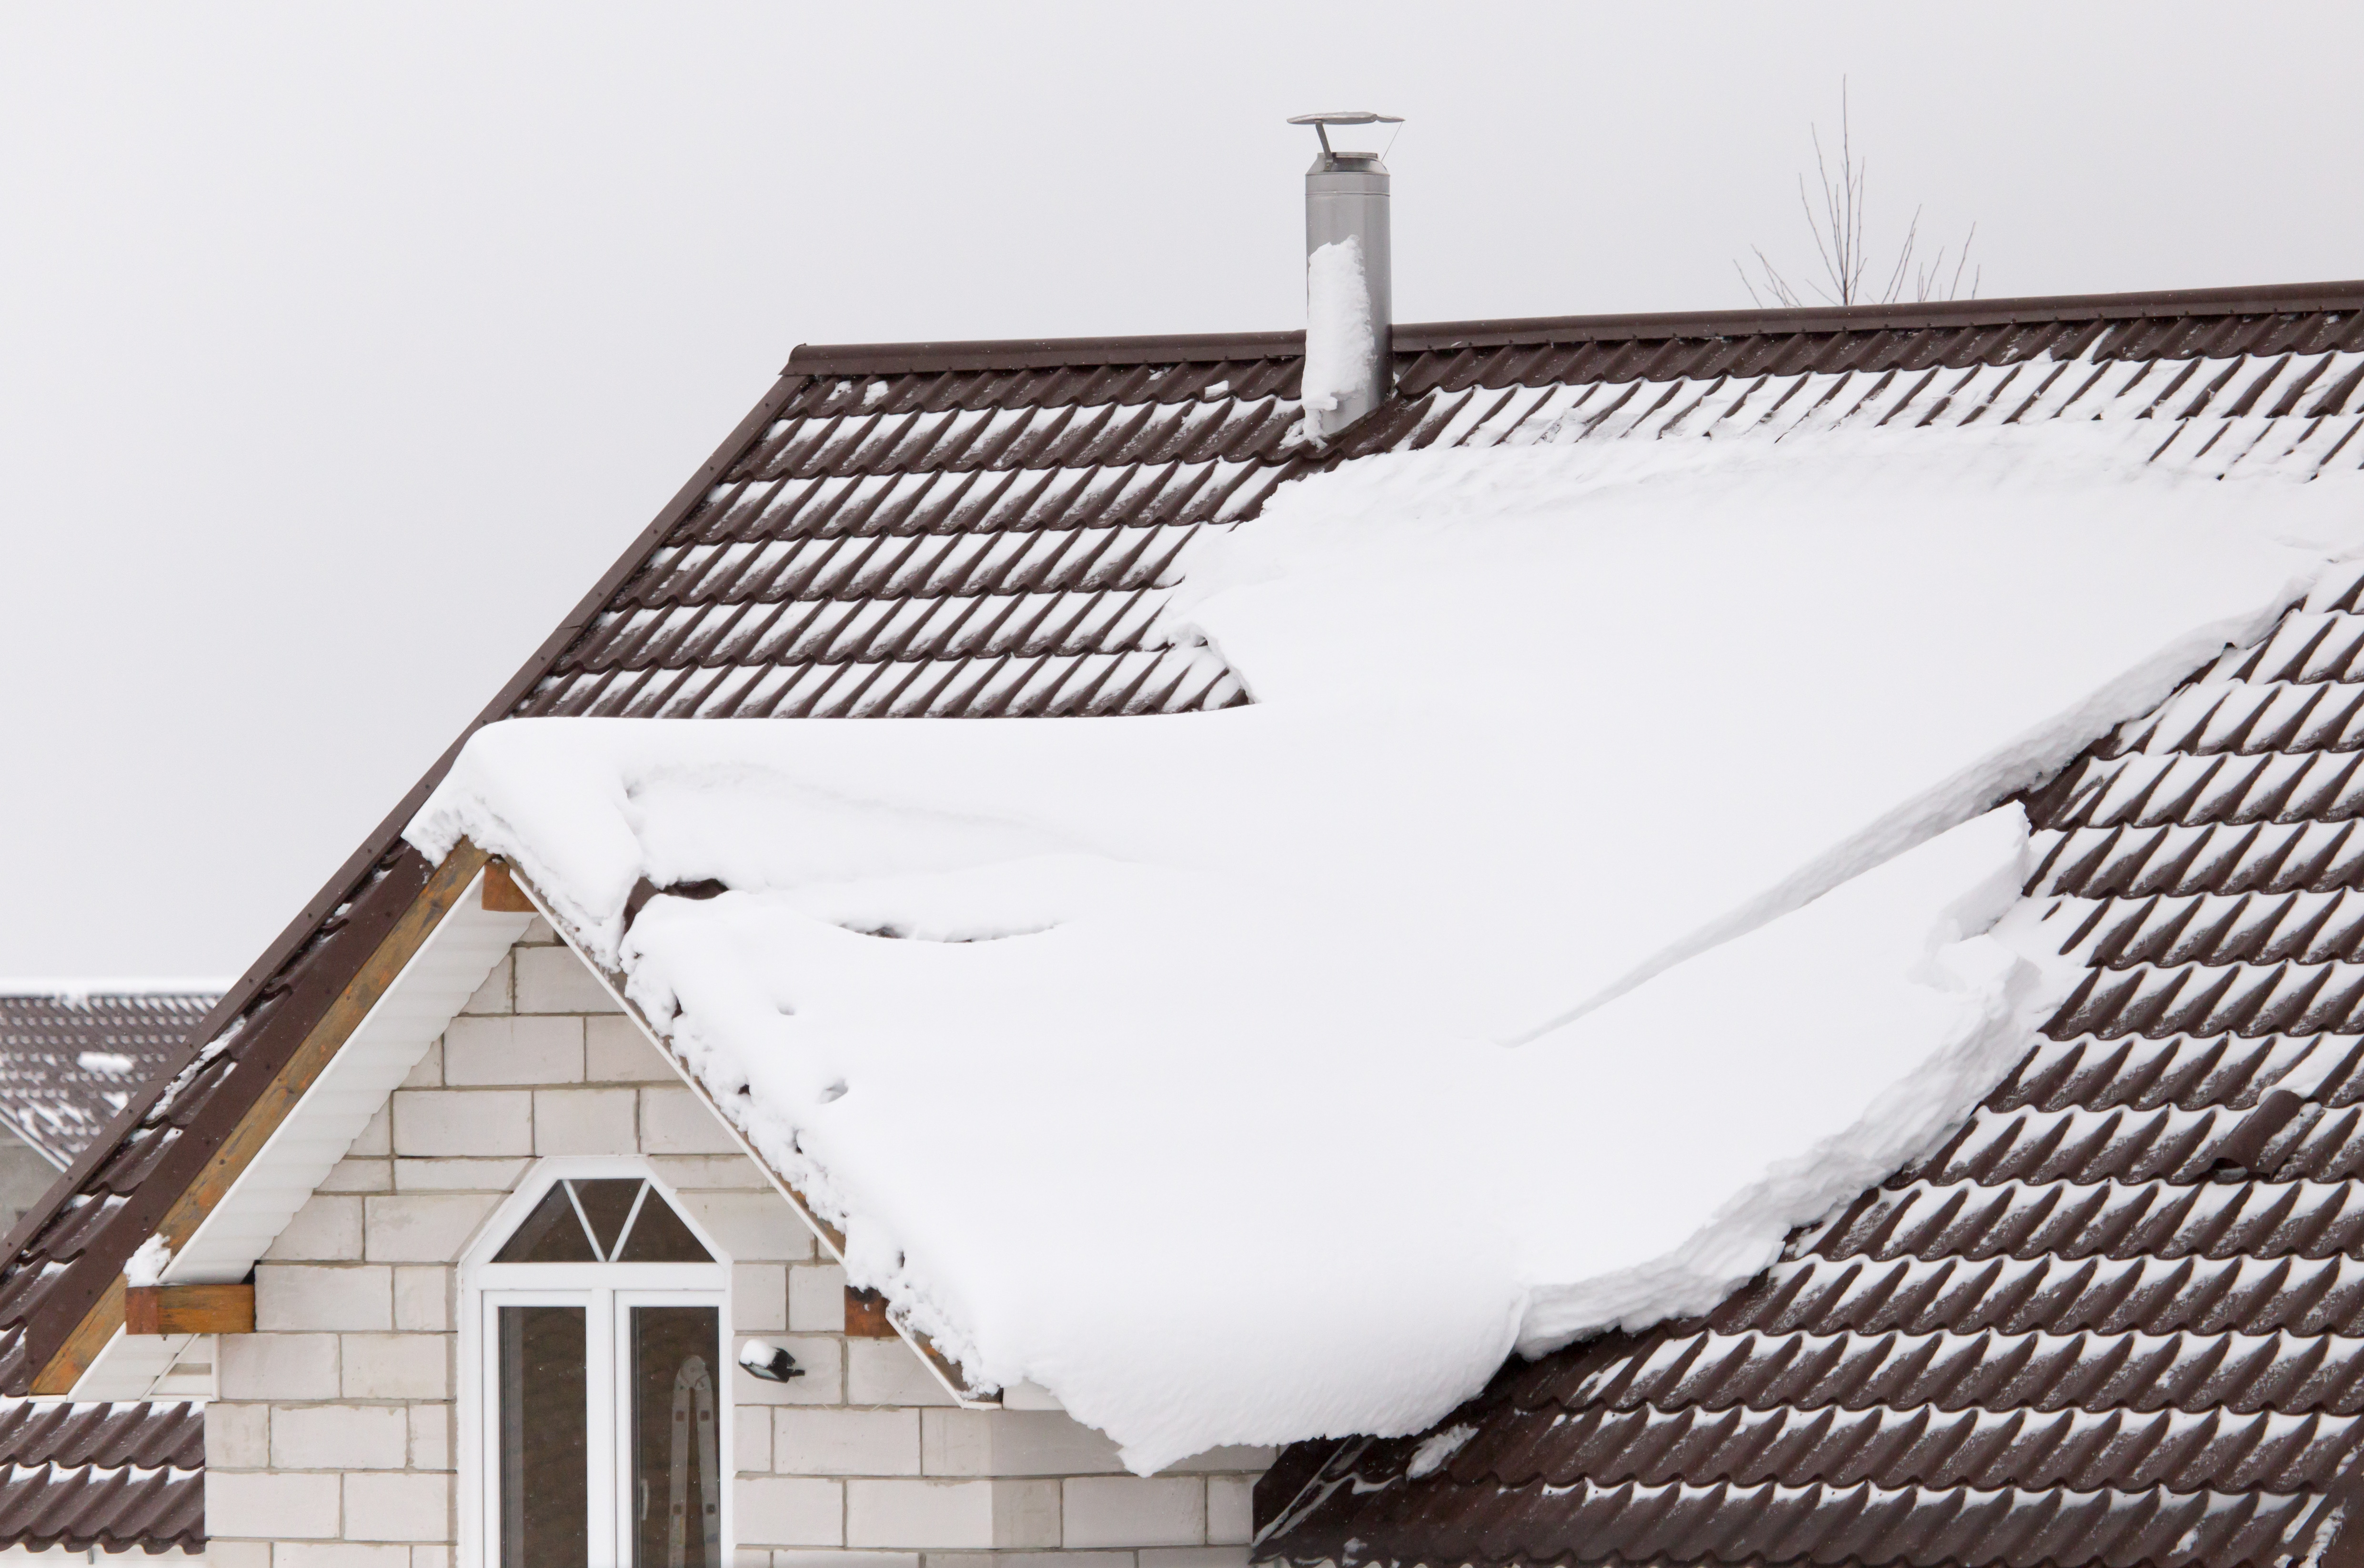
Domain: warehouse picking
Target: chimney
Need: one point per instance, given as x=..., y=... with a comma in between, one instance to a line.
x=1349, y=297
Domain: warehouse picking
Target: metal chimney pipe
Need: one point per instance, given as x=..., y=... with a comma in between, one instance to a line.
x=1349, y=281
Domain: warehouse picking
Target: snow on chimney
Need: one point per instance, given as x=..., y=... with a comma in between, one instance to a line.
x=1349, y=294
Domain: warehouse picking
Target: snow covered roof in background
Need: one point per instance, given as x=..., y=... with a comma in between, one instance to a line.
x=980, y=528
x=72, y=1053
x=1504, y=908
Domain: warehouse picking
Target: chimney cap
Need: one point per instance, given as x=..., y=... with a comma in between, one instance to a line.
x=1323, y=122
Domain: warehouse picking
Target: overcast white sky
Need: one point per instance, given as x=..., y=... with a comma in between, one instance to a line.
x=343, y=347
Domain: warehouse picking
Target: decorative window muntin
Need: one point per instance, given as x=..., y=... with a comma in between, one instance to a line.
x=599, y=1367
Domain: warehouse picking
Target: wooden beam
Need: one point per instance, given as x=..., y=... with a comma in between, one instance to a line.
x=188, y=1310
x=279, y=1097
x=502, y=893
x=866, y=1314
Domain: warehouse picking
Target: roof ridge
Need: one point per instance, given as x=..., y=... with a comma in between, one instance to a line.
x=1214, y=347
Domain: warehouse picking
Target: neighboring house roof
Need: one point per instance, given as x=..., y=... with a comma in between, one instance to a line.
x=981, y=529
x=110, y=1476
x=71, y=1060
x=2115, y=1317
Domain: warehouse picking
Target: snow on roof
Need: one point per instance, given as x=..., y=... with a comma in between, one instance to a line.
x=1547, y=915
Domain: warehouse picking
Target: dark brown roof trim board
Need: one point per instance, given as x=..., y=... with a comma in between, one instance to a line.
x=1041, y=354
x=384, y=847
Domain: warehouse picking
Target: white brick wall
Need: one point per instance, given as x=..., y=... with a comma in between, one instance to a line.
x=332, y=1443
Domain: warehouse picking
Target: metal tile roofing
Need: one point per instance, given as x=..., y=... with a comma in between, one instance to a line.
x=70, y=1061
x=2118, y=1318
x=989, y=529
x=107, y=1476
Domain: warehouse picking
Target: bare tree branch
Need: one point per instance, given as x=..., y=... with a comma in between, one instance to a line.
x=1838, y=232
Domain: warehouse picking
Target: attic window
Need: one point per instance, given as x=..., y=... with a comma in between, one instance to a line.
x=605, y=1386
x=602, y=1220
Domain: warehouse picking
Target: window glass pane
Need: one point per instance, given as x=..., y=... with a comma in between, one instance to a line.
x=658, y=1236
x=544, y=1481
x=551, y=1234
x=607, y=1204
x=676, y=1435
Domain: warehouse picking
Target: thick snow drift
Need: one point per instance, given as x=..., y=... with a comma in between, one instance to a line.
x=1605, y=881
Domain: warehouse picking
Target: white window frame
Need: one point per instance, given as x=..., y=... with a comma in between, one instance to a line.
x=606, y=1292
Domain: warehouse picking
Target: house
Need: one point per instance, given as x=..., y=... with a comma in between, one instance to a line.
x=497, y=1253
x=71, y=1060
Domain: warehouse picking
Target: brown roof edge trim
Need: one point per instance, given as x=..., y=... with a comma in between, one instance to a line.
x=1412, y=337
x=1039, y=353
x=234, y=1152
x=351, y=876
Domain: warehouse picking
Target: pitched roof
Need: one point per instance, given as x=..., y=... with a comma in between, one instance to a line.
x=2119, y=1317
x=980, y=530
x=110, y=1476
x=71, y=1060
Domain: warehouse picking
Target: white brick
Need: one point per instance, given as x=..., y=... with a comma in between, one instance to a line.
x=674, y=1121
x=462, y=1121
x=430, y=1436
x=219, y=1553
x=1030, y=1560
x=785, y=1511
x=822, y=1361
x=238, y=1437
x=326, y=1230
x=296, y=1296
x=424, y=1228
x=615, y=1052
x=431, y=1557
x=1231, y=1509
x=688, y=1172
x=846, y=1560
x=397, y=1367
x=752, y=1557
x=1014, y=1442
x=422, y=1298
x=450, y=1175
x=751, y=1437
x=1133, y=1510
x=513, y=1051
x=339, y=1436
x=375, y=1139
x=845, y=1442
x=1195, y=1557
x=750, y=1226
x=273, y=1505
x=426, y=1073
x=399, y=1508
x=358, y=1177
x=759, y=1299
x=584, y=1121
x=553, y=980
x=538, y=934
x=340, y=1554
x=276, y=1366
x=888, y=1371
x=492, y=996
x=817, y=1299
x=919, y=1514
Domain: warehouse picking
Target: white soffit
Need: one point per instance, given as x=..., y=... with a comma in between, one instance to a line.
x=128, y=1366
x=424, y=999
